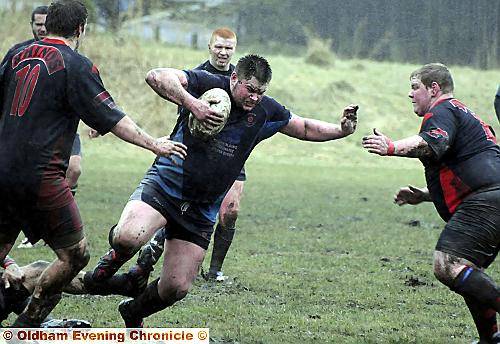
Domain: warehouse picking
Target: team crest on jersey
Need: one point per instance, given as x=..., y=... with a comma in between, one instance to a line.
x=438, y=133
x=251, y=119
x=50, y=56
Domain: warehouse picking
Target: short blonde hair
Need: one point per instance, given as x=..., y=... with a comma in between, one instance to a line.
x=223, y=32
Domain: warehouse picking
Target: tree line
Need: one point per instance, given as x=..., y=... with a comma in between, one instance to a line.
x=463, y=32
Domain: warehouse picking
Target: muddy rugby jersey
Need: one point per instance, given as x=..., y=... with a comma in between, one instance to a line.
x=212, y=166
x=45, y=89
x=467, y=158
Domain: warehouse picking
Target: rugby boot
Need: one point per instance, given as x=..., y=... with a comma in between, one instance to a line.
x=131, y=320
x=217, y=276
x=109, y=264
x=133, y=311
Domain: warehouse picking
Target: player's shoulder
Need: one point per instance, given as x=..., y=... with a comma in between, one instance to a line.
x=202, y=66
x=21, y=44
x=269, y=102
x=80, y=63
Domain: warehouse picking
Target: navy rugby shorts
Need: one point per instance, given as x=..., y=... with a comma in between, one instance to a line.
x=473, y=232
x=184, y=219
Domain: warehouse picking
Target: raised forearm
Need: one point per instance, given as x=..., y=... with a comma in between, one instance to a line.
x=167, y=84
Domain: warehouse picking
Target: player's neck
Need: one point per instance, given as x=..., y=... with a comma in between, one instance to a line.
x=440, y=98
x=70, y=42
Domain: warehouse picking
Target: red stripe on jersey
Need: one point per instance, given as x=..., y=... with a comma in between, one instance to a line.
x=104, y=97
x=454, y=189
x=101, y=97
x=426, y=117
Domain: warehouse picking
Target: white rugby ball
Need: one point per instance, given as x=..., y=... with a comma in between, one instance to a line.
x=221, y=103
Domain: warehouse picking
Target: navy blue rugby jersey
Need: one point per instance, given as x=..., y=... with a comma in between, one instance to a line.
x=46, y=88
x=467, y=158
x=212, y=166
x=211, y=69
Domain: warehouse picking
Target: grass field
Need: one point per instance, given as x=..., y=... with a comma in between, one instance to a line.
x=321, y=253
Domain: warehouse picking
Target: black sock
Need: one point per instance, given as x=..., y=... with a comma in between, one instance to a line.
x=149, y=301
x=115, y=285
x=484, y=318
x=152, y=251
x=475, y=284
x=222, y=241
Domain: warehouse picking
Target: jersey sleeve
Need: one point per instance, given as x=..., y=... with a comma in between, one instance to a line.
x=90, y=100
x=438, y=130
x=279, y=116
x=200, y=81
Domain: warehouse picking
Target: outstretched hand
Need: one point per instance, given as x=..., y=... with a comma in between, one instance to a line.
x=349, y=119
x=378, y=143
x=168, y=148
x=411, y=195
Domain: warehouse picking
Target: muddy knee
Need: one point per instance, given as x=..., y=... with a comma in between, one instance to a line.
x=173, y=292
x=447, y=267
x=124, y=239
x=228, y=217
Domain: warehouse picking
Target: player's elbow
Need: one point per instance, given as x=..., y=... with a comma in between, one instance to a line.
x=152, y=77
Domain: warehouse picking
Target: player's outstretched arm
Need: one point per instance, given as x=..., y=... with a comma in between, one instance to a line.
x=412, y=195
x=308, y=129
x=411, y=147
x=171, y=84
x=127, y=130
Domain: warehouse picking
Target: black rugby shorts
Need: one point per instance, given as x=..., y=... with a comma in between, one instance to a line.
x=473, y=231
x=184, y=220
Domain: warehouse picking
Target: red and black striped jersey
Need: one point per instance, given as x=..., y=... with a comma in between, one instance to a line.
x=466, y=157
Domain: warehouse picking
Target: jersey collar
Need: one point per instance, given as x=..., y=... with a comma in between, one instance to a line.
x=54, y=41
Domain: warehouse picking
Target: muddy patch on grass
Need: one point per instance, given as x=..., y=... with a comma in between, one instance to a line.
x=415, y=281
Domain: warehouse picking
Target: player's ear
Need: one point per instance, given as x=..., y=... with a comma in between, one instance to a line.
x=435, y=88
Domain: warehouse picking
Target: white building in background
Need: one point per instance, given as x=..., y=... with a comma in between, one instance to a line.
x=162, y=28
